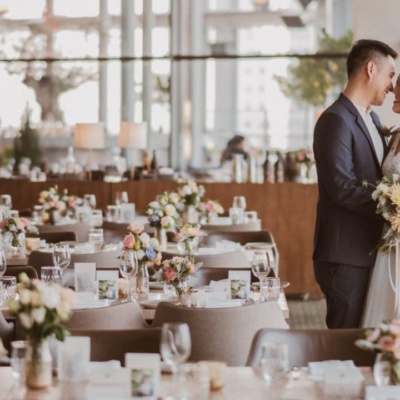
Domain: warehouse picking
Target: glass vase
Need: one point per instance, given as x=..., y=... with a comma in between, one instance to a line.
x=38, y=365
x=188, y=245
x=178, y=289
x=191, y=215
x=14, y=244
x=161, y=236
x=142, y=288
x=386, y=370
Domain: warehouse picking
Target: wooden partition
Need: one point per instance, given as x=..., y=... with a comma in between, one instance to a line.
x=286, y=209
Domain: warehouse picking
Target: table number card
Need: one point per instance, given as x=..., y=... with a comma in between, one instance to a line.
x=107, y=285
x=127, y=212
x=239, y=283
x=85, y=277
x=144, y=377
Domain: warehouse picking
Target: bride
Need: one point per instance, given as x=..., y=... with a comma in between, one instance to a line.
x=382, y=303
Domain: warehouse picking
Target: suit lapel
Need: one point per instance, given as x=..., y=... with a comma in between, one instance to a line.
x=379, y=128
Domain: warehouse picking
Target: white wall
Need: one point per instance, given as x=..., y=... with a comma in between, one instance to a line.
x=380, y=20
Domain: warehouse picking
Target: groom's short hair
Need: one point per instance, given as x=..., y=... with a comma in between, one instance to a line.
x=364, y=51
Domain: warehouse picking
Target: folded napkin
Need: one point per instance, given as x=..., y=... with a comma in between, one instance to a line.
x=223, y=303
x=227, y=244
x=84, y=248
x=318, y=370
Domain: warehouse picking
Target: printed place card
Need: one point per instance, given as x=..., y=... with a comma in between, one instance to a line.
x=239, y=283
x=107, y=285
x=85, y=277
x=343, y=384
x=127, y=212
x=144, y=380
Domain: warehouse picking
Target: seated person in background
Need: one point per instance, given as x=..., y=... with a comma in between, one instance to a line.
x=234, y=146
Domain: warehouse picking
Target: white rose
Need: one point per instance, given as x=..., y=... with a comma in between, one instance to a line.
x=383, y=188
x=140, y=254
x=25, y=320
x=395, y=177
x=38, y=314
x=186, y=191
x=144, y=238
x=149, y=211
x=375, y=195
x=382, y=200
x=169, y=210
x=173, y=197
x=154, y=204
x=160, y=214
x=50, y=297
x=386, y=216
x=36, y=299
x=24, y=296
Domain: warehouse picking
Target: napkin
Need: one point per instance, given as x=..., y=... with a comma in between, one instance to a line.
x=84, y=248
x=227, y=244
x=382, y=392
x=318, y=370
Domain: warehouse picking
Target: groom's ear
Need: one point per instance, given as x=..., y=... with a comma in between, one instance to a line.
x=371, y=68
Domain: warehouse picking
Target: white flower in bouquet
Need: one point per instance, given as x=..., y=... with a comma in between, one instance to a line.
x=154, y=204
x=186, y=190
x=174, y=198
x=25, y=320
x=144, y=237
x=25, y=296
x=140, y=254
x=170, y=210
x=38, y=314
x=50, y=297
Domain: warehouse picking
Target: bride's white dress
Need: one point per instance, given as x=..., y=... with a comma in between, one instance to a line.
x=381, y=299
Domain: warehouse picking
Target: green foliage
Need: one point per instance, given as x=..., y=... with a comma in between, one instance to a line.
x=27, y=145
x=310, y=81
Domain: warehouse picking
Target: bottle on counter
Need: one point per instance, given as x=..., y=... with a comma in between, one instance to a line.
x=146, y=164
x=269, y=173
x=153, y=164
x=279, y=168
x=70, y=160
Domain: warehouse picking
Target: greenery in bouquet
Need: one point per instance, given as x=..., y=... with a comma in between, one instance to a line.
x=305, y=156
x=40, y=309
x=52, y=200
x=16, y=226
x=163, y=213
x=190, y=192
x=205, y=208
x=177, y=270
x=385, y=340
x=147, y=249
x=387, y=194
x=390, y=131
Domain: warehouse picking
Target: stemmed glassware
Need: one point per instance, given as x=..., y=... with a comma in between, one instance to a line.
x=90, y=200
x=240, y=202
x=128, y=266
x=261, y=267
x=61, y=257
x=121, y=197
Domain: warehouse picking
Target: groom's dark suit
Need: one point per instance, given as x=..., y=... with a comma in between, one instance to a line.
x=347, y=227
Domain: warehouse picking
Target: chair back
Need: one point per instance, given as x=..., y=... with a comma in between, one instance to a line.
x=127, y=315
x=123, y=227
x=223, y=334
x=80, y=228
x=114, y=237
x=15, y=271
x=7, y=332
x=108, y=345
x=313, y=345
x=55, y=237
x=246, y=227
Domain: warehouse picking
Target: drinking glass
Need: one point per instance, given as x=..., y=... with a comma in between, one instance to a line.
x=18, y=356
x=261, y=265
x=274, y=361
x=90, y=200
x=175, y=345
x=96, y=218
x=96, y=237
x=270, y=289
x=50, y=275
x=14, y=213
x=128, y=264
x=193, y=382
x=3, y=262
x=239, y=202
x=5, y=201
x=113, y=213
x=236, y=215
x=9, y=286
x=121, y=197
x=61, y=256
x=382, y=371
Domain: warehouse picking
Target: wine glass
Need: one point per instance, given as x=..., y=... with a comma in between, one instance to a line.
x=128, y=265
x=90, y=200
x=5, y=201
x=240, y=202
x=274, y=361
x=261, y=265
x=61, y=256
x=121, y=197
x=175, y=345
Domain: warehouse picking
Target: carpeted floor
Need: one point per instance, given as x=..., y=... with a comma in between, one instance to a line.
x=307, y=314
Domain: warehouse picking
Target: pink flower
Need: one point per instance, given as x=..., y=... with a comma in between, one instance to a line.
x=61, y=205
x=26, y=223
x=41, y=201
x=394, y=328
x=374, y=335
x=68, y=296
x=386, y=343
x=164, y=221
x=191, y=268
x=20, y=225
x=170, y=275
x=129, y=241
x=51, y=203
x=3, y=224
x=158, y=258
x=136, y=227
x=71, y=202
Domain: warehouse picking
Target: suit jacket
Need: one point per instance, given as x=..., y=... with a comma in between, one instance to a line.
x=347, y=227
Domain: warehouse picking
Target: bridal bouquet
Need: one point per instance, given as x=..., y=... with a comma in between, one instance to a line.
x=387, y=193
x=148, y=250
x=385, y=341
x=190, y=192
x=163, y=213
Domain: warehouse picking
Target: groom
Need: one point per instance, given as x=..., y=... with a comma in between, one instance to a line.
x=349, y=148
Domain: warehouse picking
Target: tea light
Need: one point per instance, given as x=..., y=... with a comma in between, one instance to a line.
x=217, y=371
x=123, y=285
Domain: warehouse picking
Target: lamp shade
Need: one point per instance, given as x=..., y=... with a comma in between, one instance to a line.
x=90, y=136
x=133, y=135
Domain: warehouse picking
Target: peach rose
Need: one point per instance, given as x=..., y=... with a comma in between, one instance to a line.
x=129, y=241
x=158, y=258
x=170, y=275
x=26, y=223
x=191, y=268
x=20, y=225
x=136, y=227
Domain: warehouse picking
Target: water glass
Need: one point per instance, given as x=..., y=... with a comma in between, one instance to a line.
x=50, y=275
x=113, y=213
x=270, y=289
x=193, y=382
x=96, y=218
x=3, y=262
x=250, y=216
x=96, y=238
x=382, y=371
x=121, y=197
x=61, y=256
x=128, y=264
x=9, y=286
x=14, y=213
x=5, y=201
x=18, y=356
x=261, y=265
x=240, y=202
x=175, y=345
x=90, y=200
x=274, y=361
x=236, y=215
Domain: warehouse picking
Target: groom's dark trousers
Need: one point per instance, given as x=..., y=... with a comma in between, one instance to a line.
x=347, y=226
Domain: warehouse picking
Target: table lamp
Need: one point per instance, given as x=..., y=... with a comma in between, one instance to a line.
x=133, y=136
x=90, y=136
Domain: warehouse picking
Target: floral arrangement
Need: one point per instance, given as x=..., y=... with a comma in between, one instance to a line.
x=387, y=194
x=40, y=309
x=163, y=213
x=52, y=200
x=189, y=231
x=148, y=249
x=390, y=131
x=190, y=192
x=385, y=340
x=305, y=156
x=177, y=270
x=16, y=226
x=209, y=207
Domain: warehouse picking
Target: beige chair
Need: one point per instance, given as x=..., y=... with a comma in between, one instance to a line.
x=104, y=260
x=108, y=345
x=15, y=271
x=80, y=228
x=114, y=237
x=127, y=315
x=313, y=345
x=7, y=332
x=55, y=237
x=123, y=227
x=223, y=334
x=246, y=227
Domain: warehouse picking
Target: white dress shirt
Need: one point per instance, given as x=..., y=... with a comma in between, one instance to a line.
x=373, y=131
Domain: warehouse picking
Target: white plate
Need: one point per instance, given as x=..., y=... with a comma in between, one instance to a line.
x=152, y=304
x=156, y=285
x=284, y=285
x=258, y=246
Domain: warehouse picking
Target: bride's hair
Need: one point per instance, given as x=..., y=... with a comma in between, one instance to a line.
x=364, y=51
